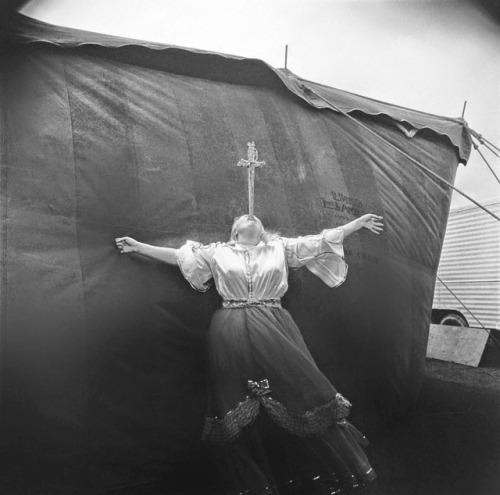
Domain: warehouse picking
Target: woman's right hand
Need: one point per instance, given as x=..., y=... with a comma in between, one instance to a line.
x=127, y=245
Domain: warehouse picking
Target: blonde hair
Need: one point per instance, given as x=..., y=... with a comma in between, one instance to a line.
x=266, y=235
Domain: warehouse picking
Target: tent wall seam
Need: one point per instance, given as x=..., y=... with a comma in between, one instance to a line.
x=3, y=237
x=80, y=261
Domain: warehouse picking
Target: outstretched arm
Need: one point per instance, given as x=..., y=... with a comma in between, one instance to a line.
x=163, y=254
x=370, y=221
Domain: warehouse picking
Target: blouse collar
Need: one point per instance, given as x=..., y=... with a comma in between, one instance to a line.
x=241, y=247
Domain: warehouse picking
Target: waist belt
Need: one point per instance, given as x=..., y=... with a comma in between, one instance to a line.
x=245, y=303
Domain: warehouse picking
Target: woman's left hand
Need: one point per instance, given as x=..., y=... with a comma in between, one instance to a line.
x=371, y=222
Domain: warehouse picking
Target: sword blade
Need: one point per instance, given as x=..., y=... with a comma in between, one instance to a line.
x=251, y=180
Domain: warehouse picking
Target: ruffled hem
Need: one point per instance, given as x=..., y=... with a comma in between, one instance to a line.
x=313, y=422
x=330, y=266
x=193, y=268
x=322, y=254
x=330, y=484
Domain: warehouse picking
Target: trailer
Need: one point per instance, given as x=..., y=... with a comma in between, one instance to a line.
x=467, y=291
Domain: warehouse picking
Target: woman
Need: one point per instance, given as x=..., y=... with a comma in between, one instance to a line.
x=279, y=423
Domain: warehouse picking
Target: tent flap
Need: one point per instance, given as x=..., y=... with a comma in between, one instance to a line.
x=199, y=63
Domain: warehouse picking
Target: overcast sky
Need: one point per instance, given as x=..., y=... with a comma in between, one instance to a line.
x=429, y=55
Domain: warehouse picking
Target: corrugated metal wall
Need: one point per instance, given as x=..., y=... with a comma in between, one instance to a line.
x=470, y=265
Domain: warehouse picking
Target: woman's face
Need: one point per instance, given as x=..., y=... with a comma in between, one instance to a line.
x=248, y=228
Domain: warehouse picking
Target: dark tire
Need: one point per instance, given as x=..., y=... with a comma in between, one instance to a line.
x=454, y=320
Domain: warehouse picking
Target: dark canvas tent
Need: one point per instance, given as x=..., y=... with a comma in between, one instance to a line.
x=102, y=355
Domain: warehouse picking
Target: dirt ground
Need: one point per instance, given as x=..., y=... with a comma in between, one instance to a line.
x=450, y=443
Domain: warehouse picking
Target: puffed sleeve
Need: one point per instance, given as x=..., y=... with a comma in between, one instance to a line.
x=322, y=254
x=194, y=260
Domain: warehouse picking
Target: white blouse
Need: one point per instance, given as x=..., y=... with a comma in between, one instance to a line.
x=261, y=271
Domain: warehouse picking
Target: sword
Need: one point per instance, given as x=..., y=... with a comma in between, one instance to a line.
x=252, y=162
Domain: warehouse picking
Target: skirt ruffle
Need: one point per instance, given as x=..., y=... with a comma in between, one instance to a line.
x=314, y=422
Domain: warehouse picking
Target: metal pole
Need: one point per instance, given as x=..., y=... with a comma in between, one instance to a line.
x=463, y=110
x=286, y=56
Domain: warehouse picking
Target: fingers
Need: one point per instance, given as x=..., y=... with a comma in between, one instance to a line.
x=376, y=219
x=375, y=224
x=121, y=244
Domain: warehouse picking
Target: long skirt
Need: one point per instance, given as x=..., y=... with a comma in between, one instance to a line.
x=278, y=424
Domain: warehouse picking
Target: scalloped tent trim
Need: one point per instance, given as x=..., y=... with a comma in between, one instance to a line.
x=237, y=70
